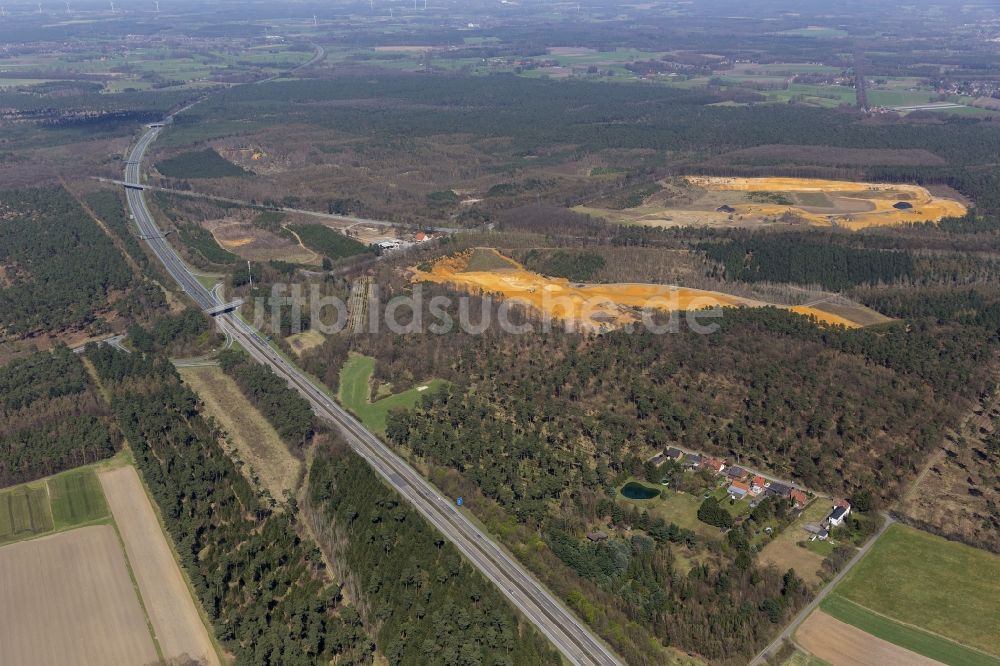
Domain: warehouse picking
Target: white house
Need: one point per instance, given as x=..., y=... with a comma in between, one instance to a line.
x=837, y=516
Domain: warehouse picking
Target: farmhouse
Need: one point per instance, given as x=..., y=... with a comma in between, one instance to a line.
x=738, y=490
x=694, y=461
x=837, y=516
x=757, y=484
x=715, y=465
x=798, y=497
x=674, y=454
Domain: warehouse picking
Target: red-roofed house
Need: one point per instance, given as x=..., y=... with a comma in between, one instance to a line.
x=842, y=504
x=798, y=497
x=738, y=490
x=757, y=484
x=715, y=465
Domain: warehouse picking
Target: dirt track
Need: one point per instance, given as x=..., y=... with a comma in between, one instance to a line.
x=840, y=644
x=67, y=599
x=171, y=609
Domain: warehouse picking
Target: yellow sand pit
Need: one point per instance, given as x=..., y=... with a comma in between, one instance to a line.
x=879, y=198
x=593, y=306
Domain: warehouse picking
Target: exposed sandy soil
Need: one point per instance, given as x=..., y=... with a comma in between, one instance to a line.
x=67, y=599
x=594, y=306
x=824, y=203
x=250, y=242
x=840, y=644
x=172, y=612
x=856, y=205
x=253, y=437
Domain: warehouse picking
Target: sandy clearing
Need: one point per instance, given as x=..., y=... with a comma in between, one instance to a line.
x=67, y=599
x=256, y=441
x=594, y=306
x=840, y=644
x=171, y=609
x=926, y=207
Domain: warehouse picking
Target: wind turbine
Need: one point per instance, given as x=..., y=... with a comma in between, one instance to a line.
x=67, y=9
x=39, y=9
x=112, y=6
x=156, y=5
x=315, y=21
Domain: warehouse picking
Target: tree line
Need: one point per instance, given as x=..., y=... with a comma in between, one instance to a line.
x=228, y=540
x=428, y=604
x=290, y=414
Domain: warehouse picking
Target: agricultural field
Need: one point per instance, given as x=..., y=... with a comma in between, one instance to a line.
x=76, y=498
x=753, y=202
x=931, y=595
x=832, y=641
x=69, y=499
x=173, y=614
x=255, y=440
x=68, y=599
x=355, y=393
x=591, y=306
x=24, y=512
x=115, y=68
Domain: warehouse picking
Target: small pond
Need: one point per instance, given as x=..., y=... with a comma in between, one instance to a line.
x=637, y=491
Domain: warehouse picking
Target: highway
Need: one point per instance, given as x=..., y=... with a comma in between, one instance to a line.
x=576, y=642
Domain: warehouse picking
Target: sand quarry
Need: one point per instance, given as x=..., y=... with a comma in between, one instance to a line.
x=725, y=201
x=592, y=306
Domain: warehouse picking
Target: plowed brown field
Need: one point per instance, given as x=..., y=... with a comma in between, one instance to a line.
x=840, y=644
x=172, y=611
x=67, y=599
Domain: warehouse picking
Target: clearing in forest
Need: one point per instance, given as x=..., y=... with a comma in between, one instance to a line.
x=784, y=551
x=254, y=438
x=593, y=306
x=732, y=201
x=355, y=393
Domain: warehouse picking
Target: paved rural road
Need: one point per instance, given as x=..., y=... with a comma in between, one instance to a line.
x=804, y=613
x=566, y=632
